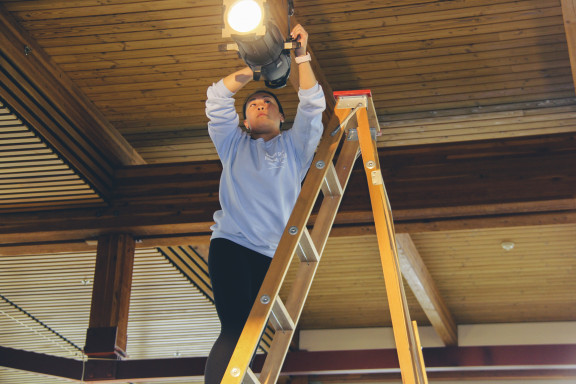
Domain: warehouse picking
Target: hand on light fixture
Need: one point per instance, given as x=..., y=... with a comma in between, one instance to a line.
x=259, y=41
x=300, y=35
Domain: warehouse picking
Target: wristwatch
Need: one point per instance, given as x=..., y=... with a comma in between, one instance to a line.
x=303, y=59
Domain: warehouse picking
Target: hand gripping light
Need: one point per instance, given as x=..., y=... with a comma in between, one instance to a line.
x=258, y=40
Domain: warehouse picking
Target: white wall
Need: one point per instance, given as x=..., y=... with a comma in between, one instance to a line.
x=468, y=335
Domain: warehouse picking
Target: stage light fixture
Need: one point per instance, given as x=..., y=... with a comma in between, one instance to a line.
x=258, y=40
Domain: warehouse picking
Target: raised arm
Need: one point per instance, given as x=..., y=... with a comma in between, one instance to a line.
x=307, y=78
x=235, y=81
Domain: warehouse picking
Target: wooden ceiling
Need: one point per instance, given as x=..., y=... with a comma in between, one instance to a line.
x=102, y=129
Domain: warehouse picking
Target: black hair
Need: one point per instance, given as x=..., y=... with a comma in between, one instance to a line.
x=266, y=92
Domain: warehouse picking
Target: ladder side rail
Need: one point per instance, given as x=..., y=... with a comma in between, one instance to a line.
x=412, y=332
x=344, y=166
x=306, y=272
x=258, y=318
x=402, y=328
x=421, y=365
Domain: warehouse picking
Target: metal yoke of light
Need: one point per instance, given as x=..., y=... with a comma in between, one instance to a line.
x=258, y=40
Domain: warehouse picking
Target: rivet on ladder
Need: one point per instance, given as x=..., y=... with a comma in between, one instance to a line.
x=293, y=230
x=235, y=372
x=265, y=299
x=370, y=164
x=320, y=164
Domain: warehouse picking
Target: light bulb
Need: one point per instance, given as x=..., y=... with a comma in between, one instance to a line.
x=244, y=16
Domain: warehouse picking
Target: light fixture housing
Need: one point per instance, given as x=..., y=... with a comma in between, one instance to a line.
x=262, y=47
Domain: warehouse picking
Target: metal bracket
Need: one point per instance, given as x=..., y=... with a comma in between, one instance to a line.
x=377, y=178
x=353, y=134
x=344, y=102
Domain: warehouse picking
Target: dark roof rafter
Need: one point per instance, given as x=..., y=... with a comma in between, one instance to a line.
x=521, y=182
x=41, y=94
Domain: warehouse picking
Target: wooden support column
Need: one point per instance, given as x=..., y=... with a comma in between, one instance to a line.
x=107, y=332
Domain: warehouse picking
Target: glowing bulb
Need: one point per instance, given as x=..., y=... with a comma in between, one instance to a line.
x=244, y=16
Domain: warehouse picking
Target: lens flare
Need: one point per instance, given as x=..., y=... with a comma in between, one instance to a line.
x=244, y=16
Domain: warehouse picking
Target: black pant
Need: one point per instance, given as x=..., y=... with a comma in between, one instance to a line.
x=236, y=273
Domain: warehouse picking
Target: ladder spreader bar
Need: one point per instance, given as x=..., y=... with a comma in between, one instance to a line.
x=331, y=185
x=281, y=319
x=250, y=378
x=306, y=250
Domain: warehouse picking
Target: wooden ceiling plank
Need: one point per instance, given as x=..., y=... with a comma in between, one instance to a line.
x=327, y=6
x=478, y=42
x=61, y=10
x=135, y=40
x=27, y=184
x=405, y=75
x=7, y=178
x=394, y=18
x=50, y=80
x=424, y=288
x=437, y=30
x=467, y=101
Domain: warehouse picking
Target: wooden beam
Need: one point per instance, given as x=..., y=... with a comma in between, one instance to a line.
x=512, y=182
x=423, y=287
x=108, y=329
x=41, y=363
x=43, y=95
x=304, y=379
x=494, y=362
x=569, y=15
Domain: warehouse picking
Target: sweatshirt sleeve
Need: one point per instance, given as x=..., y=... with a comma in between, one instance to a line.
x=308, y=127
x=223, y=119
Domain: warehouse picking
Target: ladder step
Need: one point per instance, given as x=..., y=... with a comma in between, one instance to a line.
x=306, y=249
x=331, y=184
x=250, y=377
x=280, y=318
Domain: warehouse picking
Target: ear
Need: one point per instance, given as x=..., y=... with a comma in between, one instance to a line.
x=281, y=118
x=246, y=124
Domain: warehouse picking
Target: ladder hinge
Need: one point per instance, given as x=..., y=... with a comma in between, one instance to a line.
x=377, y=178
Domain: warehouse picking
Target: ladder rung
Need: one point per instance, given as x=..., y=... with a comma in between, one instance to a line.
x=250, y=377
x=280, y=318
x=306, y=249
x=331, y=184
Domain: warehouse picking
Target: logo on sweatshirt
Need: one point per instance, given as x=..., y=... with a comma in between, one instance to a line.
x=276, y=160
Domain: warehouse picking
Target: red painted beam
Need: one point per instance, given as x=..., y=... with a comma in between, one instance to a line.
x=535, y=360
x=436, y=359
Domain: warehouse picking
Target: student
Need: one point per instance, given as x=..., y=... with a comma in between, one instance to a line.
x=262, y=172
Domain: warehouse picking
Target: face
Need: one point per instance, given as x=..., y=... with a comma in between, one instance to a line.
x=263, y=116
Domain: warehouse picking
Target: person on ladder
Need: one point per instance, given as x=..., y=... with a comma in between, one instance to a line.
x=262, y=172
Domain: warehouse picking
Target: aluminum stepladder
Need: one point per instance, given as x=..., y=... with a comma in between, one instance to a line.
x=332, y=180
